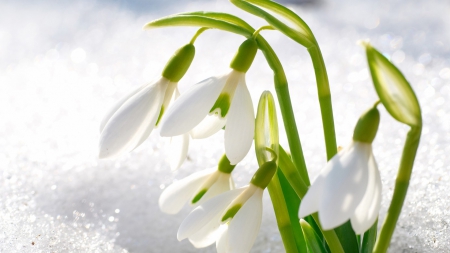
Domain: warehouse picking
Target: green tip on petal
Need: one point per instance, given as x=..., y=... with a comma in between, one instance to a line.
x=225, y=166
x=222, y=105
x=180, y=62
x=231, y=212
x=264, y=174
x=393, y=89
x=244, y=56
x=161, y=112
x=367, y=126
x=199, y=196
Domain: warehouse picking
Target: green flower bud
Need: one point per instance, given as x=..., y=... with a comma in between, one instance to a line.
x=367, y=126
x=264, y=174
x=244, y=56
x=177, y=66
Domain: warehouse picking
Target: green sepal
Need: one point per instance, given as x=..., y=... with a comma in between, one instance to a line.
x=264, y=174
x=223, y=104
x=231, y=212
x=177, y=66
x=313, y=241
x=225, y=165
x=367, y=126
x=393, y=89
x=245, y=55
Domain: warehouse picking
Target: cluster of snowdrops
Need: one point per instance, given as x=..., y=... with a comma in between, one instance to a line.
x=338, y=212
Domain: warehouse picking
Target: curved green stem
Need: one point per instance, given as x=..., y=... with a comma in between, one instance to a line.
x=325, y=103
x=400, y=189
x=199, y=31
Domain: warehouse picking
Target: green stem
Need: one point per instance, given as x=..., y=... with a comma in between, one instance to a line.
x=400, y=189
x=330, y=236
x=284, y=100
x=199, y=31
x=324, y=93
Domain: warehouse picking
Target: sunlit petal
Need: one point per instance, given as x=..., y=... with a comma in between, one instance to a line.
x=244, y=227
x=203, y=214
x=210, y=125
x=192, y=107
x=117, y=105
x=178, y=150
x=179, y=193
x=130, y=122
x=240, y=125
x=367, y=211
x=345, y=185
x=222, y=241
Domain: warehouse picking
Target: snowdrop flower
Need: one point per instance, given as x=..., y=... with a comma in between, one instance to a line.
x=349, y=186
x=197, y=187
x=215, y=102
x=129, y=122
x=231, y=219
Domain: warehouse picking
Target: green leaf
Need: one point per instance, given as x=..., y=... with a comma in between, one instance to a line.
x=393, y=89
x=369, y=239
x=282, y=214
x=197, y=21
x=313, y=241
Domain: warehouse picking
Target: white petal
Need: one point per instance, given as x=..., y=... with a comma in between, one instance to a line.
x=203, y=214
x=177, y=194
x=178, y=150
x=192, y=107
x=221, y=185
x=206, y=235
x=210, y=125
x=116, y=106
x=222, y=242
x=311, y=201
x=130, y=123
x=345, y=185
x=367, y=211
x=244, y=227
x=240, y=126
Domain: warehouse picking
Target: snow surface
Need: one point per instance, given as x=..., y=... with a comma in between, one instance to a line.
x=64, y=63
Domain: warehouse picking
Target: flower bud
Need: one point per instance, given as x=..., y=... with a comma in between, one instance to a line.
x=367, y=126
x=244, y=56
x=177, y=66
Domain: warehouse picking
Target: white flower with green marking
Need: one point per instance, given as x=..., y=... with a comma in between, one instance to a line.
x=131, y=120
x=349, y=186
x=239, y=212
x=210, y=105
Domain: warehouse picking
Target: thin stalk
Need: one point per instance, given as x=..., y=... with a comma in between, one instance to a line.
x=199, y=31
x=400, y=189
x=284, y=100
x=324, y=93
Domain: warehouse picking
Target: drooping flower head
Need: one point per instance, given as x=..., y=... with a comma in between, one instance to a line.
x=198, y=187
x=215, y=102
x=231, y=219
x=130, y=121
x=349, y=186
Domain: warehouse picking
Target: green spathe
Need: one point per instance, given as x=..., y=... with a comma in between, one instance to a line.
x=225, y=166
x=264, y=174
x=177, y=66
x=393, y=89
x=367, y=126
x=244, y=56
